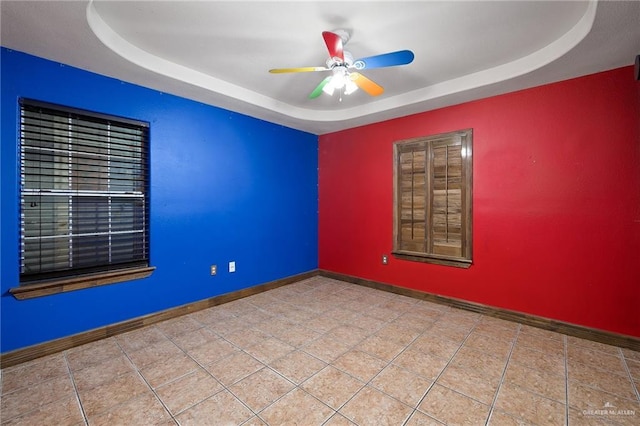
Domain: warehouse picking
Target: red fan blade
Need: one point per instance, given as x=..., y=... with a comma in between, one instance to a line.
x=334, y=44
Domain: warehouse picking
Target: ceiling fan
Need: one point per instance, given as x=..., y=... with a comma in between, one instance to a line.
x=345, y=76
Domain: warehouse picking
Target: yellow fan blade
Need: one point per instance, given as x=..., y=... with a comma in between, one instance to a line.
x=369, y=86
x=302, y=69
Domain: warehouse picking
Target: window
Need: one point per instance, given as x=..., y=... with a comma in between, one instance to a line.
x=433, y=193
x=84, y=182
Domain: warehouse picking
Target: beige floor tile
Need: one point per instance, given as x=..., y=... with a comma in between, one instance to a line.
x=212, y=351
x=583, y=397
x=442, y=328
x=498, y=418
x=235, y=367
x=65, y=411
x=348, y=334
x=157, y=352
x=119, y=390
x=297, y=335
x=470, y=382
x=339, y=420
x=26, y=399
x=397, y=334
x=261, y=389
x=297, y=408
x=537, y=360
x=367, y=323
x=520, y=403
x=596, y=359
x=246, y=337
x=359, y=364
x=141, y=338
x=269, y=350
x=322, y=324
x=142, y=410
x=326, y=348
x=596, y=346
x=629, y=354
x=542, y=344
x=416, y=320
x=254, y=421
x=195, y=338
x=549, y=385
x=332, y=386
x=104, y=372
x=372, y=407
x=297, y=366
x=93, y=353
x=380, y=348
x=634, y=368
x=601, y=379
x=163, y=372
x=401, y=384
x=420, y=419
x=228, y=411
x=188, y=390
x=473, y=360
x=435, y=345
x=496, y=347
x=31, y=373
x=178, y=326
x=384, y=314
x=426, y=365
x=210, y=315
x=450, y=407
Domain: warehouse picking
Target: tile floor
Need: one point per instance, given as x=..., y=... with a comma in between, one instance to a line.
x=325, y=352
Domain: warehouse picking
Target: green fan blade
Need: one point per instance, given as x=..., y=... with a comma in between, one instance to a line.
x=318, y=90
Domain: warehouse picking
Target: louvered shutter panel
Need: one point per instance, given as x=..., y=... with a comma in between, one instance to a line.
x=447, y=198
x=413, y=197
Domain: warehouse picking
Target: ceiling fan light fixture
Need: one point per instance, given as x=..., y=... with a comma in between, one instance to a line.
x=329, y=88
x=350, y=87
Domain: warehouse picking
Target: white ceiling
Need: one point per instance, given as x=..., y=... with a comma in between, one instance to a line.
x=219, y=52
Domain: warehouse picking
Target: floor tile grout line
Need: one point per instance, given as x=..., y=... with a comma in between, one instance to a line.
x=75, y=389
x=630, y=376
x=441, y=373
x=139, y=373
x=504, y=373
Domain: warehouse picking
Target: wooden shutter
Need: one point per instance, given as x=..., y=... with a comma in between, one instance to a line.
x=433, y=198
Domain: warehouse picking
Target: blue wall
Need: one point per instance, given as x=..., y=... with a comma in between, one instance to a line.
x=224, y=187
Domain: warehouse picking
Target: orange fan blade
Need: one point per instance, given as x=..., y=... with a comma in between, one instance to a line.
x=369, y=86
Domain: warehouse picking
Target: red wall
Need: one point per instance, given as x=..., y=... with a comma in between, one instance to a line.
x=556, y=202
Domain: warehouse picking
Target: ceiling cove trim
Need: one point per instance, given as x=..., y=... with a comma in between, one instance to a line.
x=509, y=70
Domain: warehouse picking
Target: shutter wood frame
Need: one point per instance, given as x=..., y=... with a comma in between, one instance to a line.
x=407, y=250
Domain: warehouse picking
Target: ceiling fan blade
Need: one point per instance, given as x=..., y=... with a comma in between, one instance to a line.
x=318, y=90
x=334, y=44
x=299, y=69
x=401, y=57
x=369, y=86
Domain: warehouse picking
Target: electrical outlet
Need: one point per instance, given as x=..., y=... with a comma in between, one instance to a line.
x=214, y=269
x=385, y=259
x=232, y=266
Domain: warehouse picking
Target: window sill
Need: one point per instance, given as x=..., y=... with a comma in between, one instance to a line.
x=434, y=259
x=48, y=287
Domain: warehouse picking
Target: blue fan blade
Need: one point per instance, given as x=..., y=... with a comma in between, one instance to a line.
x=401, y=57
x=318, y=90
